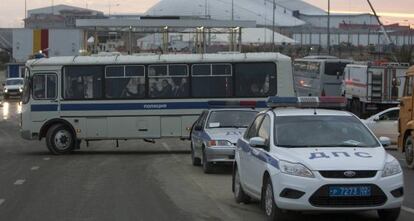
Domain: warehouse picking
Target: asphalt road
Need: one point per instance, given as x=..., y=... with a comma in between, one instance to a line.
x=137, y=181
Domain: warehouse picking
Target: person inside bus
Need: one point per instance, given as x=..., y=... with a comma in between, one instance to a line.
x=154, y=90
x=255, y=90
x=134, y=88
x=181, y=87
x=166, y=90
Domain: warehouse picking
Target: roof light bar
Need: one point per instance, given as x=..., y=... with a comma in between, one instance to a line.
x=232, y=104
x=307, y=102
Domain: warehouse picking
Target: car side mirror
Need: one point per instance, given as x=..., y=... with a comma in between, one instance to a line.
x=376, y=118
x=257, y=142
x=3, y=84
x=198, y=128
x=385, y=141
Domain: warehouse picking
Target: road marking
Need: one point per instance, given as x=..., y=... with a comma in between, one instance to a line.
x=2, y=201
x=165, y=145
x=46, y=158
x=34, y=168
x=407, y=209
x=19, y=182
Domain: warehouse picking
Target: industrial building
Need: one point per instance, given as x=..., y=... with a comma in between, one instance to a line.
x=66, y=30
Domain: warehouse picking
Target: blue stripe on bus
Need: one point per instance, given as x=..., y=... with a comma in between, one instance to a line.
x=128, y=106
x=43, y=107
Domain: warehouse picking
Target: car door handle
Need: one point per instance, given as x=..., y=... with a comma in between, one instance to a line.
x=54, y=101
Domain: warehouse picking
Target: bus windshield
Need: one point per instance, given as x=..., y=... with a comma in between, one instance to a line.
x=14, y=82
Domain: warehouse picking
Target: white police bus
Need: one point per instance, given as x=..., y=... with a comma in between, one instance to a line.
x=69, y=99
x=319, y=75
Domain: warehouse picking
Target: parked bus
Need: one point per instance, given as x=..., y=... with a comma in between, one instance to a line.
x=69, y=99
x=319, y=75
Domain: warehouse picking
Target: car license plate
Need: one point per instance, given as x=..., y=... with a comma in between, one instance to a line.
x=344, y=191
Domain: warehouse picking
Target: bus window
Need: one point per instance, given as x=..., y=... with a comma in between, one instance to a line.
x=212, y=80
x=123, y=82
x=168, y=81
x=44, y=86
x=82, y=82
x=334, y=68
x=255, y=79
x=179, y=77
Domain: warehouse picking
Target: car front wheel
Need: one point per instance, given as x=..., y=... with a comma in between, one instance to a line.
x=207, y=166
x=195, y=160
x=272, y=212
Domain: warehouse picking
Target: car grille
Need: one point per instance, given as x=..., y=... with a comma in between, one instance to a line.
x=340, y=174
x=321, y=198
x=13, y=90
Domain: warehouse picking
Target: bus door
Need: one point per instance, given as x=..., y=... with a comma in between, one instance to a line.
x=45, y=103
x=332, y=78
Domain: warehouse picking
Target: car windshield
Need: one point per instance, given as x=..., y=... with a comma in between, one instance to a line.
x=322, y=131
x=230, y=119
x=14, y=82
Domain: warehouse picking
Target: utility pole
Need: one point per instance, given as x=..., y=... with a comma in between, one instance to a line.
x=329, y=27
x=387, y=37
x=25, y=9
x=273, y=26
x=206, y=8
x=232, y=10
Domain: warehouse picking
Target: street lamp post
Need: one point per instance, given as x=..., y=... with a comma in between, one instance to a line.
x=273, y=26
x=329, y=27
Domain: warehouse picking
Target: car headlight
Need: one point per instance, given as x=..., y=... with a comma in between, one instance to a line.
x=21, y=90
x=212, y=143
x=295, y=169
x=5, y=90
x=391, y=168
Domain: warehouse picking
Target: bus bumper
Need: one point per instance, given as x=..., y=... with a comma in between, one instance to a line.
x=27, y=135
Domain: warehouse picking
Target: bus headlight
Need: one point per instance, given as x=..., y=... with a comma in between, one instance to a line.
x=391, y=168
x=295, y=169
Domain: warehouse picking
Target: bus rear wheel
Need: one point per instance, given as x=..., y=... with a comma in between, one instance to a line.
x=60, y=139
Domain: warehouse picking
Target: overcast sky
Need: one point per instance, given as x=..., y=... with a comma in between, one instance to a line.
x=12, y=11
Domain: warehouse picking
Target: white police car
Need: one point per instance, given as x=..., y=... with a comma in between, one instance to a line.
x=215, y=133
x=308, y=159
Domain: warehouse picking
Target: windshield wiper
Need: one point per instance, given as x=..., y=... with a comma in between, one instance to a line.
x=291, y=146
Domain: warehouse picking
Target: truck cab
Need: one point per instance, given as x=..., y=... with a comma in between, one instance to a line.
x=406, y=121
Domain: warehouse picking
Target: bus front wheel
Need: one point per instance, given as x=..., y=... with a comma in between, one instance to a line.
x=409, y=151
x=60, y=139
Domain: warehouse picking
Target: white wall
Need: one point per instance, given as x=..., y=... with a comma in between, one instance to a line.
x=65, y=42
x=22, y=44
